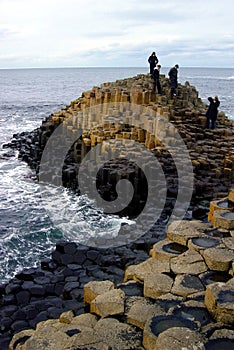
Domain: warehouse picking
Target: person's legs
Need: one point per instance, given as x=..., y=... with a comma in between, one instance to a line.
x=213, y=123
x=207, y=123
x=173, y=88
x=159, y=87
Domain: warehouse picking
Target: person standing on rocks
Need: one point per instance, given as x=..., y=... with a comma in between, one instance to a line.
x=153, y=60
x=173, y=76
x=156, y=77
x=212, y=112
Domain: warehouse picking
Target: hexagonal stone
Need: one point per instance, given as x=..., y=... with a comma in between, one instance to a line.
x=219, y=300
x=118, y=335
x=109, y=303
x=157, y=284
x=190, y=262
x=150, y=266
x=180, y=231
x=94, y=288
x=180, y=338
x=166, y=249
x=223, y=219
x=156, y=325
x=141, y=310
x=185, y=285
x=86, y=320
x=218, y=259
x=202, y=243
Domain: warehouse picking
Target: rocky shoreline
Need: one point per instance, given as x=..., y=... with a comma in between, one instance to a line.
x=182, y=297
x=56, y=286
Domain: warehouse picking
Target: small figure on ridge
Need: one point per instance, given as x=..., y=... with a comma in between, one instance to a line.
x=173, y=76
x=212, y=112
x=153, y=60
x=156, y=77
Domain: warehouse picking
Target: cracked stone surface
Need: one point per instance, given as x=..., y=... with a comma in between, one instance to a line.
x=190, y=262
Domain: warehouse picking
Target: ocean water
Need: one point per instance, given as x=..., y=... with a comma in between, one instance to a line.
x=27, y=96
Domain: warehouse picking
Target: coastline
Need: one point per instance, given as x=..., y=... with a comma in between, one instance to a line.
x=59, y=274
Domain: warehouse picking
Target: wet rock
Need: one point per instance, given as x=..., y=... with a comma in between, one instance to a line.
x=166, y=249
x=159, y=324
x=219, y=300
x=185, y=285
x=223, y=219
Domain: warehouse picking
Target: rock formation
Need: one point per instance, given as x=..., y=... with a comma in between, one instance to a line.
x=183, y=298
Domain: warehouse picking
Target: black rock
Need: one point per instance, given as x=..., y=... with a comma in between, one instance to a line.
x=18, y=326
x=23, y=297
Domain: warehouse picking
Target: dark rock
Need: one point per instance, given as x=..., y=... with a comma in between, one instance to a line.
x=19, y=315
x=8, y=310
x=58, y=289
x=54, y=312
x=30, y=312
x=92, y=255
x=79, y=257
x=8, y=299
x=5, y=324
x=12, y=288
x=4, y=343
x=48, y=264
x=23, y=297
x=70, y=248
x=18, y=326
x=37, y=290
x=42, y=316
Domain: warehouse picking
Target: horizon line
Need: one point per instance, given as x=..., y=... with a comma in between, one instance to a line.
x=108, y=67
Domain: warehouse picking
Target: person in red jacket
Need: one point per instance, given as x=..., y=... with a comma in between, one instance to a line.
x=212, y=112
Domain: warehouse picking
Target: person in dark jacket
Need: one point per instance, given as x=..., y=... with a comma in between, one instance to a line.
x=156, y=76
x=153, y=60
x=173, y=76
x=212, y=112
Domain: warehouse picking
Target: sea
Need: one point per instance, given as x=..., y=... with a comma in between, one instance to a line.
x=27, y=96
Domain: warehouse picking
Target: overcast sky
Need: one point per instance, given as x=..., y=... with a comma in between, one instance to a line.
x=88, y=33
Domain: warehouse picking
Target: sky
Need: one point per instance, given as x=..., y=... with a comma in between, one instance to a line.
x=116, y=33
